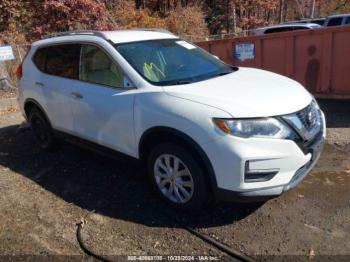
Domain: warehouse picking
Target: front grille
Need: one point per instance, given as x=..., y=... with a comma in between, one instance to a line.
x=308, y=146
x=306, y=122
x=315, y=148
x=308, y=116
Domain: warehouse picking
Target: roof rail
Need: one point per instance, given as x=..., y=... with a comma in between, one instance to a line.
x=74, y=32
x=98, y=33
x=155, y=29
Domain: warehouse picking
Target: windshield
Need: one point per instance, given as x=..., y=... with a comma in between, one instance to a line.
x=172, y=61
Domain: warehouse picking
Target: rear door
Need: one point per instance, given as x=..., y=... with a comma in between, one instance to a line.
x=102, y=106
x=60, y=72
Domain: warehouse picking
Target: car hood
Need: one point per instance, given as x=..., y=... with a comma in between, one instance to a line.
x=247, y=93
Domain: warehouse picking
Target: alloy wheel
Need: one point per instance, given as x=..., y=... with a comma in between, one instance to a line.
x=173, y=178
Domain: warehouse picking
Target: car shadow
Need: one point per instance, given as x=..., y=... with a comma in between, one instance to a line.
x=337, y=112
x=117, y=189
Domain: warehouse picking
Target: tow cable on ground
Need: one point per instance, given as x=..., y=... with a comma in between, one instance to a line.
x=84, y=247
x=222, y=247
x=228, y=250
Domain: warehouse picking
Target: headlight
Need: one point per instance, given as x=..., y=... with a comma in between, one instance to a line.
x=260, y=127
x=314, y=101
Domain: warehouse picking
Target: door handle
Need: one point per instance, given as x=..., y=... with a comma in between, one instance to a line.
x=76, y=95
x=39, y=84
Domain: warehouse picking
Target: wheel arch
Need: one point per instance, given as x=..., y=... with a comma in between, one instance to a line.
x=157, y=135
x=31, y=103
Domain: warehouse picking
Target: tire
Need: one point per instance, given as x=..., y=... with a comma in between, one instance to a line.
x=42, y=130
x=162, y=181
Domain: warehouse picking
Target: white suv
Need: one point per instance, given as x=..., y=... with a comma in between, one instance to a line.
x=201, y=127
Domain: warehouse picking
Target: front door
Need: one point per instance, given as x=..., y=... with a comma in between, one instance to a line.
x=102, y=107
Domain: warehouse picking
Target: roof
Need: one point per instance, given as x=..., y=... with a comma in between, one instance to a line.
x=305, y=20
x=310, y=25
x=118, y=36
x=312, y=19
x=341, y=15
x=134, y=35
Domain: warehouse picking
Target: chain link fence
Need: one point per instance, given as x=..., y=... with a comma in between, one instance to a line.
x=198, y=38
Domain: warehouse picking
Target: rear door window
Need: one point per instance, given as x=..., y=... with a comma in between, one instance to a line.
x=300, y=28
x=278, y=30
x=63, y=60
x=347, y=20
x=319, y=22
x=335, y=21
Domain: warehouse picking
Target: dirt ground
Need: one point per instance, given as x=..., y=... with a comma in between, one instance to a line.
x=43, y=196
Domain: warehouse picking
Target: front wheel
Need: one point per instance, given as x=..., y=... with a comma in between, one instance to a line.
x=177, y=177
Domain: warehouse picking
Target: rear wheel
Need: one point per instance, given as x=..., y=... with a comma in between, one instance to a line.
x=42, y=130
x=177, y=177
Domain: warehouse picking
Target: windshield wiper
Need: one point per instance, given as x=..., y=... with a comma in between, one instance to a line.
x=223, y=73
x=183, y=82
x=180, y=82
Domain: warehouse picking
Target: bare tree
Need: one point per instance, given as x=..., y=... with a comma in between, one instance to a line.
x=281, y=11
x=312, y=13
x=300, y=7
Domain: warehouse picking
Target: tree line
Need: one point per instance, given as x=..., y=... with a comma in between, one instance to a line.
x=30, y=19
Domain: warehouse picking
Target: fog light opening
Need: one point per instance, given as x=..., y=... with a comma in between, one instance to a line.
x=258, y=175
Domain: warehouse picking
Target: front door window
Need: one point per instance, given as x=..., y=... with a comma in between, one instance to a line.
x=96, y=67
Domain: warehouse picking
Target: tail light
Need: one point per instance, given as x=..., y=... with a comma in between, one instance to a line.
x=19, y=71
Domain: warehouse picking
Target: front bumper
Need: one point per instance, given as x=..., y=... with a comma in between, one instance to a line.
x=274, y=191
x=294, y=162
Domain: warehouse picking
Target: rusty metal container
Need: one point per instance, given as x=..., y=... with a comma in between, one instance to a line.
x=319, y=59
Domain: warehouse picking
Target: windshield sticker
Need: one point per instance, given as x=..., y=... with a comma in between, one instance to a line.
x=186, y=45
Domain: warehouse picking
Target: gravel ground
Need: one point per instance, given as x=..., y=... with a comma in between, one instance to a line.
x=44, y=195
x=5, y=94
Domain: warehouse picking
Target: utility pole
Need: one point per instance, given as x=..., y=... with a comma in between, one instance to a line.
x=234, y=18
